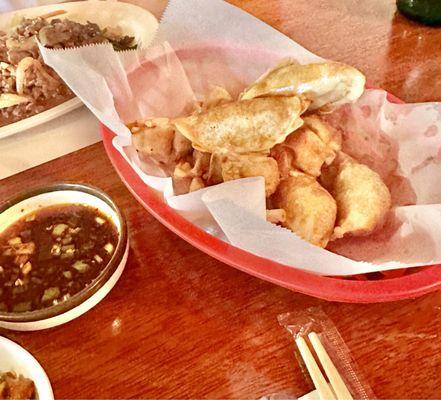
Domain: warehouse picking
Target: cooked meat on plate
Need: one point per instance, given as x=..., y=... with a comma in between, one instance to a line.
x=27, y=85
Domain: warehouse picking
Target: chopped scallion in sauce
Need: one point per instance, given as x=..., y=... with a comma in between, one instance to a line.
x=52, y=254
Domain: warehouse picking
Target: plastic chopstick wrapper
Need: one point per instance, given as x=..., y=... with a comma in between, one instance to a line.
x=205, y=43
x=314, y=320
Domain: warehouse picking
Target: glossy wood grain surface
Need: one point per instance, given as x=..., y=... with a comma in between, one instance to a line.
x=180, y=324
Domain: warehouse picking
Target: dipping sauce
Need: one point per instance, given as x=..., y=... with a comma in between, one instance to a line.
x=49, y=255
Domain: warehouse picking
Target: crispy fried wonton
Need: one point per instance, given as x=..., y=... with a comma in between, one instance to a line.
x=244, y=166
x=362, y=198
x=305, y=151
x=308, y=148
x=156, y=138
x=310, y=209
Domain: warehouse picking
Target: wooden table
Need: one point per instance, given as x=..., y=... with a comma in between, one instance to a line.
x=181, y=324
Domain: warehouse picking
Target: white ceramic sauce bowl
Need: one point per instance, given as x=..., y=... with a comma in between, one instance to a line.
x=15, y=358
x=83, y=301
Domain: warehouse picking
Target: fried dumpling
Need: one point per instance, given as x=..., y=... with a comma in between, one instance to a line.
x=156, y=138
x=189, y=173
x=327, y=133
x=244, y=166
x=243, y=126
x=362, y=198
x=310, y=210
x=324, y=84
x=197, y=166
x=309, y=148
x=305, y=151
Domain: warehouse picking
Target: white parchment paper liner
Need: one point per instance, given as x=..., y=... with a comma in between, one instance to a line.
x=232, y=48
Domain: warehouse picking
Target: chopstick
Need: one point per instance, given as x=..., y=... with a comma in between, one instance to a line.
x=334, y=377
x=336, y=388
x=317, y=377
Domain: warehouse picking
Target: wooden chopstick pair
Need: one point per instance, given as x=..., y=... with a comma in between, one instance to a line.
x=335, y=389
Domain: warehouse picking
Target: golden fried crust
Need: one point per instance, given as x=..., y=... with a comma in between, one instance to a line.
x=328, y=134
x=284, y=157
x=243, y=126
x=309, y=153
x=324, y=84
x=181, y=146
x=155, y=140
x=310, y=209
x=217, y=96
x=363, y=199
x=201, y=163
x=252, y=165
x=214, y=174
x=276, y=215
x=197, y=166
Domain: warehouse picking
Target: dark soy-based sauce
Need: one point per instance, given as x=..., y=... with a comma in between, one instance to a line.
x=51, y=254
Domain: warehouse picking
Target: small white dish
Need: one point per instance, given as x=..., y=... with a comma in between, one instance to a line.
x=83, y=301
x=133, y=20
x=15, y=358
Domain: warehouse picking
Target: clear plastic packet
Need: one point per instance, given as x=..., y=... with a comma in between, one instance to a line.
x=279, y=396
x=314, y=319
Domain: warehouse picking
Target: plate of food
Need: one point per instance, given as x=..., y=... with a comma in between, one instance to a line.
x=31, y=92
x=21, y=375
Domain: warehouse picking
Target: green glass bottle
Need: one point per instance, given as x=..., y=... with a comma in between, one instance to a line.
x=425, y=11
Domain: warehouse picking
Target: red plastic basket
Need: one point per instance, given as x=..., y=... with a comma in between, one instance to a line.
x=367, y=288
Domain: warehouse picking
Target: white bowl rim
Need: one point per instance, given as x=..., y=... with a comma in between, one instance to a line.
x=42, y=383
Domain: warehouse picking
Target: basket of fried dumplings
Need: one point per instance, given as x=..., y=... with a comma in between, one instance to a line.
x=277, y=129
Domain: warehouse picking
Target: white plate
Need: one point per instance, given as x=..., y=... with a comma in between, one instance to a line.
x=133, y=21
x=15, y=358
x=41, y=118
